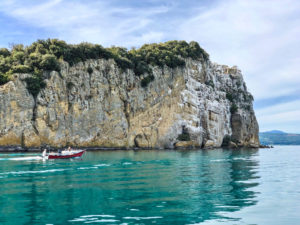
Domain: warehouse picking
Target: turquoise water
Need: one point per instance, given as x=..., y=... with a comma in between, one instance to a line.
x=153, y=187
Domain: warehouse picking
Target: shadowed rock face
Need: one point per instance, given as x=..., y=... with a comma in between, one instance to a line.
x=109, y=108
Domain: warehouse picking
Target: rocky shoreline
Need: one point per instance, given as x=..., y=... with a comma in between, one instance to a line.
x=19, y=149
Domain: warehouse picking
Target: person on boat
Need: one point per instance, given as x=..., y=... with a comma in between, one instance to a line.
x=69, y=149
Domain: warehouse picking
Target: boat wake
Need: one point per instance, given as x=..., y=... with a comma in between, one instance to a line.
x=23, y=158
x=32, y=172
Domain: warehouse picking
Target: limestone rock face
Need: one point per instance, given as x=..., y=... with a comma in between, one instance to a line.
x=108, y=107
x=185, y=144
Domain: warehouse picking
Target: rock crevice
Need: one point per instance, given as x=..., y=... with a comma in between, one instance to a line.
x=94, y=103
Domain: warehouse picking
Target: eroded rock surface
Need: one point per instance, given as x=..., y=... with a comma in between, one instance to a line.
x=109, y=108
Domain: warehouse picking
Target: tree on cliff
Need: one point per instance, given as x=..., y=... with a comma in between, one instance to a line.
x=44, y=55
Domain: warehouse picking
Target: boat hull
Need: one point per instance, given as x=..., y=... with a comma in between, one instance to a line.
x=78, y=154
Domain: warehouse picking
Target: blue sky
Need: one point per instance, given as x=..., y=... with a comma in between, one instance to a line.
x=261, y=37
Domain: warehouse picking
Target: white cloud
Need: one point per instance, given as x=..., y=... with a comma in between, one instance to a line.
x=285, y=116
x=77, y=21
x=280, y=108
x=260, y=36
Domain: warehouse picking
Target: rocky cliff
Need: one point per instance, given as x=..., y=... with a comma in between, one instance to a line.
x=95, y=103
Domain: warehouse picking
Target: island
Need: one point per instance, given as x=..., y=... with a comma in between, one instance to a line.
x=164, y=95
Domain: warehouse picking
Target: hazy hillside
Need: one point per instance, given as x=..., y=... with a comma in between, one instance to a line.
x=279, y=138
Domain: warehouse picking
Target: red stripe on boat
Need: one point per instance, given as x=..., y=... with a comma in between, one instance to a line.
x=79, y=154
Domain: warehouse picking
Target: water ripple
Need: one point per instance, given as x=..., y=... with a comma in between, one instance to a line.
x=144, y=187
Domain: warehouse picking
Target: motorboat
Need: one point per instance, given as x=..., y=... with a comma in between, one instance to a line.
x=65, y=154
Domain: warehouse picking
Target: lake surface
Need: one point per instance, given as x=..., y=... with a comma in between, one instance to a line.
x=153, y=187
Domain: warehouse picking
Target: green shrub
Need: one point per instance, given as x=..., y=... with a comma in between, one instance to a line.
x=43, y=55
x=49, y=62
x=17, y=48
x=4, y=78
x=233, y=108
x=197, y=51
x=4, y=52
x=34, y=60
x=140, y=67
x=70, y=85
x=20, y=69
x=90, y=70
x=34, y=85
x=145, y=81
x=123, y=62
x=18, y=57
x=210, y=83
x=4, y=65
x=229, y=96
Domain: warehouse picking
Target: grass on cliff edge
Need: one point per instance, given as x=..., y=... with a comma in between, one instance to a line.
x=45, y=55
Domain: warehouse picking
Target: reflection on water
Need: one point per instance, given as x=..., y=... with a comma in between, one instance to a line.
x=132, y=187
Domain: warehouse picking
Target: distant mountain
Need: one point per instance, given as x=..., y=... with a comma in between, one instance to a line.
x=277, y=137
x=275, y=132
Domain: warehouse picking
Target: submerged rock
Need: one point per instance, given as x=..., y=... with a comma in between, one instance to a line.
x=106, y=106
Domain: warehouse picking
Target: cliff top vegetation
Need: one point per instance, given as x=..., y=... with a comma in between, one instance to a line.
x=45, y=55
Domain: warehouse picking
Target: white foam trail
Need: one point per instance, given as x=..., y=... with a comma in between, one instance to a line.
x=102, y=221
x=101, y=165
x=77, y=220
x=95, y=219
x=87, y=168
x=142, y=218
x=30, y=172
x=87, y=216
x=26, y=158
x=18, y=154
x=239, y=158
x=22, y=158
x=219, y=160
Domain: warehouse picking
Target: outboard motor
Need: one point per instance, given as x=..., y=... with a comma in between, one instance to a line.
x=44, y=153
